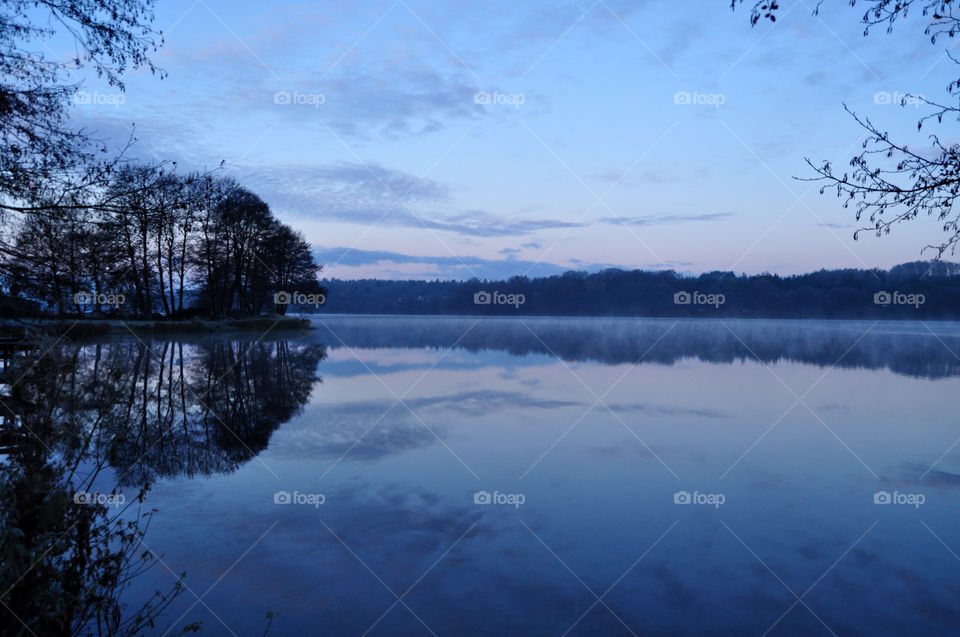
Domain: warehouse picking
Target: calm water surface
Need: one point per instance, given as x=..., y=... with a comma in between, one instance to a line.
x=464, y=476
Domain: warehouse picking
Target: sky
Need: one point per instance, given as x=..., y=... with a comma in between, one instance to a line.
x=412, y=139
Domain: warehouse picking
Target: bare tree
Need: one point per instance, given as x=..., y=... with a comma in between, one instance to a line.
x=888, y=182
x=37, y=147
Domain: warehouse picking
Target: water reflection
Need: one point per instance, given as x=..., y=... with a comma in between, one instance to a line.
x=922, y=349
x=209, y=429
x=112, y=418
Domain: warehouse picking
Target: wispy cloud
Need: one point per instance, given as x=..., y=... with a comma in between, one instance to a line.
x=357, y=193
x=368, y=194
x=838, y=226
x=653, y=220
x=353, y=263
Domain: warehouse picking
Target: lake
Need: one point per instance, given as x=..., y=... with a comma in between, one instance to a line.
x=536, y=476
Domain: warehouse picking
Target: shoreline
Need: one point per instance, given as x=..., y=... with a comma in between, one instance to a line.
x=81, y=327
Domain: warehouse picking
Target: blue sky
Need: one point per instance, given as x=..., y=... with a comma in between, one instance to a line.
x=415, y=139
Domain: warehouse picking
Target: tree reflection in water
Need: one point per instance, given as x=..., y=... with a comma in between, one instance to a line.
x=111, y=418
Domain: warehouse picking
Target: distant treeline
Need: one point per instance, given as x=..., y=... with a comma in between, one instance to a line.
x=144, y=241
x=922, y=290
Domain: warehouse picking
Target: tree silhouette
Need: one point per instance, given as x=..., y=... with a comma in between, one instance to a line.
x=888, y=182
